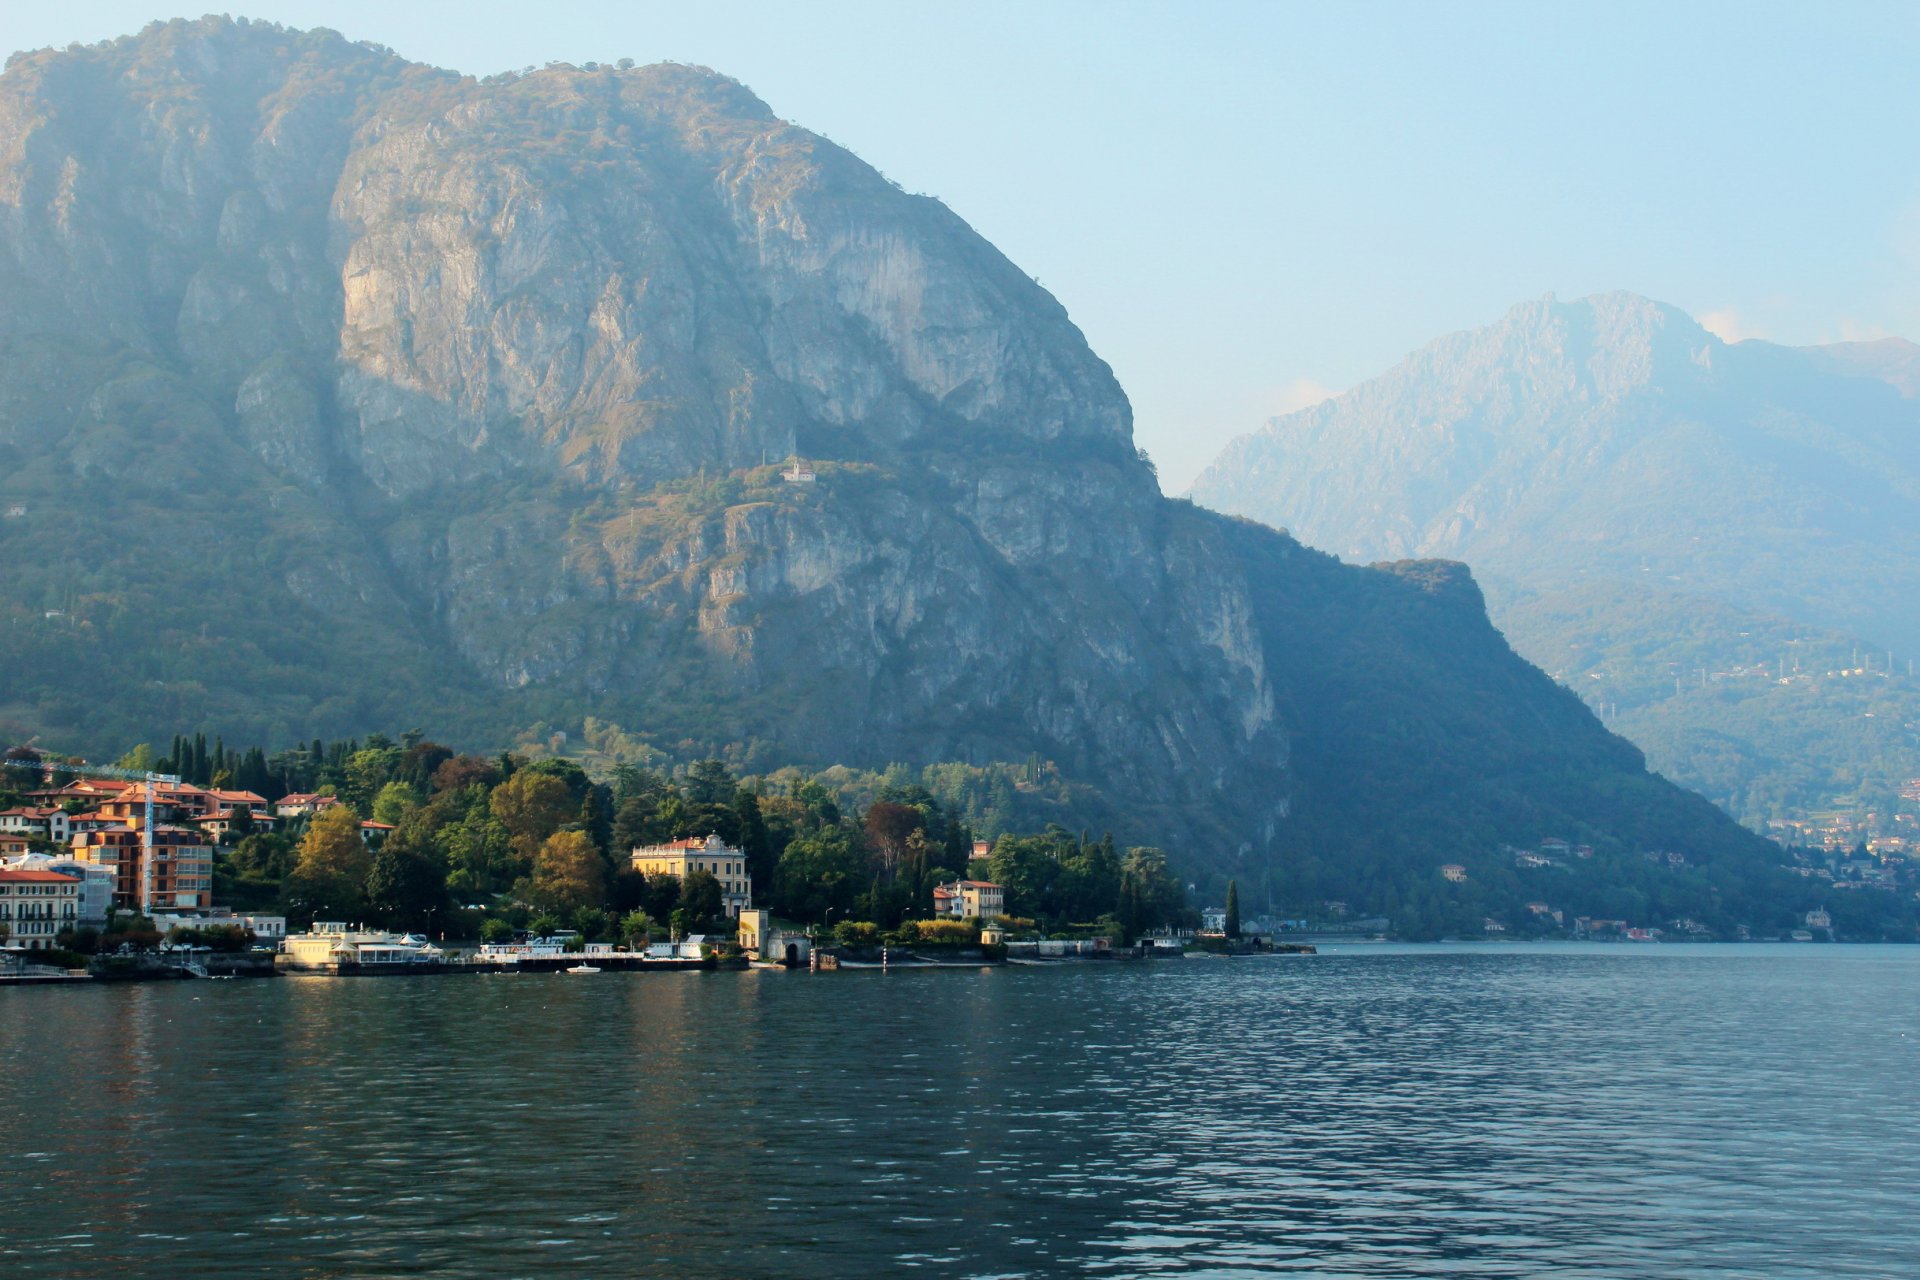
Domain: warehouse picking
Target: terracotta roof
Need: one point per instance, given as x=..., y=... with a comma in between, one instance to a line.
x=36, y=877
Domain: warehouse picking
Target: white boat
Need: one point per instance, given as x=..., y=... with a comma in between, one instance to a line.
x=584, y=968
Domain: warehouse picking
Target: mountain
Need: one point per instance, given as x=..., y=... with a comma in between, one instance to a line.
x=1715, y=543
x=340, y=392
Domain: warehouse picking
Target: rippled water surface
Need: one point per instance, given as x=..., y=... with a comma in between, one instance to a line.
x=1699, y=1111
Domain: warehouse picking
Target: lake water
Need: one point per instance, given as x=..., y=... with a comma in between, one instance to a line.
x=1371, y=1111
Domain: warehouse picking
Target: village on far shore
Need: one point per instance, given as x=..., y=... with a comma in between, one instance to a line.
x=135, y=859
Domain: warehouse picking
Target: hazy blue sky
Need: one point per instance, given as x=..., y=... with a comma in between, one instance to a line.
x=1243, y=203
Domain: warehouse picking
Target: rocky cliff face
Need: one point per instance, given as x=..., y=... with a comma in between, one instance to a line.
x=356, y=389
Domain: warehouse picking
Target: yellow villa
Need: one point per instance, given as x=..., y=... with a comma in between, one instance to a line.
x=681, y=858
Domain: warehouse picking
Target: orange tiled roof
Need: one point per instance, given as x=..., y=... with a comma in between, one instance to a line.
x=36, y=877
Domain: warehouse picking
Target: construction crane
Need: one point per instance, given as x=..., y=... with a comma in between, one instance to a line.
x=49, y=767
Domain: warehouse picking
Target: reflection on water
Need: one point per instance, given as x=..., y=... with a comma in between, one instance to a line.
x=1370, y=1112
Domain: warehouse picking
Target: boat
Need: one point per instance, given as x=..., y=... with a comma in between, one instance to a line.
x=584, y=968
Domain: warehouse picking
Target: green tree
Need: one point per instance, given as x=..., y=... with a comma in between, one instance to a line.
x=1233, y=908
x=532, y=806
x=140, y=759
x=1150, y=896
x=407, y=886
x=395, y=802
x=254, y=871
x=591, y=923
x=816, y=874
x=1027, y=866
x=700, y=897
x=709, y=782
x=636, y=822
x=637, y=928
x=365, y=773
x=756, y=841
x=479, y=851
x=570, y=774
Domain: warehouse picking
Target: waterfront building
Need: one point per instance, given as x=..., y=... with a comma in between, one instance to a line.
x=330, y=945
x=760, y=938
x=970, y=900
x=35, y=906
x=681, y=858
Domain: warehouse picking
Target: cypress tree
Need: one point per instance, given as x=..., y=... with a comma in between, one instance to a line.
x=1233, y=908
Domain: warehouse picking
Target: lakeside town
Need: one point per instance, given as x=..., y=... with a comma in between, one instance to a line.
x=118, y=872
x=121, y=878
x=384, y=855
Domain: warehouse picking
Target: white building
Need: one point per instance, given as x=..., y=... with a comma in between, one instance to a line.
x=302, y=803
x=35, y=906
x=46, y=824
x=329, y=945
x=267, y=929
x=95, y=899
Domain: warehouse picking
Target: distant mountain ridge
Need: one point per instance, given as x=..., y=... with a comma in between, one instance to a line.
x=341, y=393
x=1894, y=361
x=1613, y=444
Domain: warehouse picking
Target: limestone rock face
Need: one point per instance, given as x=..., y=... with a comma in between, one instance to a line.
x=371, y=391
